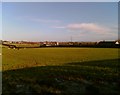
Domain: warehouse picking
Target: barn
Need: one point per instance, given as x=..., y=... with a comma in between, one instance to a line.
x=108, y=44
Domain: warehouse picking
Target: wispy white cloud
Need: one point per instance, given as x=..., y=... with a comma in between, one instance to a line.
x=90, y=27
x=45, y=20
x=39, y=20
x=91, y=30
x=59, y=27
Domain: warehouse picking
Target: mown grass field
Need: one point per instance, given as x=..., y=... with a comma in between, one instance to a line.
x=60, y=71
x=26, y=45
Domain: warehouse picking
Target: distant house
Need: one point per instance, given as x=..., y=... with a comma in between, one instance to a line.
x=49, y=43
x=117, y=43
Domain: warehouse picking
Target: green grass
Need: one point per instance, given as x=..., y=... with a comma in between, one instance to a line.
x=61, y=71
x=15, y=59
x=26, y=45
x=0, y=59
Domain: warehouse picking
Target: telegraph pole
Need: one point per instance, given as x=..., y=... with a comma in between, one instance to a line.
x=71, y=38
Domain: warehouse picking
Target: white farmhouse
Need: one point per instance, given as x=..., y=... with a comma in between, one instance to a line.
x=117, y=43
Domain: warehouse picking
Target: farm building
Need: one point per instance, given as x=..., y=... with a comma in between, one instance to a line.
x=108, y=43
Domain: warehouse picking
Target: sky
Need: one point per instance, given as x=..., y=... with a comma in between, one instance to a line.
x=0, y=20
x=60, y=0
x=50, y=21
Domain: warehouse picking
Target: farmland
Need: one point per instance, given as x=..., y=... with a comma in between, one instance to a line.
x=60, y=70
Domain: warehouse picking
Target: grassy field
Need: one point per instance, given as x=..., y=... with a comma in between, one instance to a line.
x=61, y=71
x=26, y=45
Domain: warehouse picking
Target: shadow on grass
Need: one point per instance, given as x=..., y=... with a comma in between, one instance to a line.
x=113, y=63
x=83, y=78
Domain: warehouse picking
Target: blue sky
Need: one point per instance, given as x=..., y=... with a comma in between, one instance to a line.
x=59, y=0
x=1, y=20
x=60, y=21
